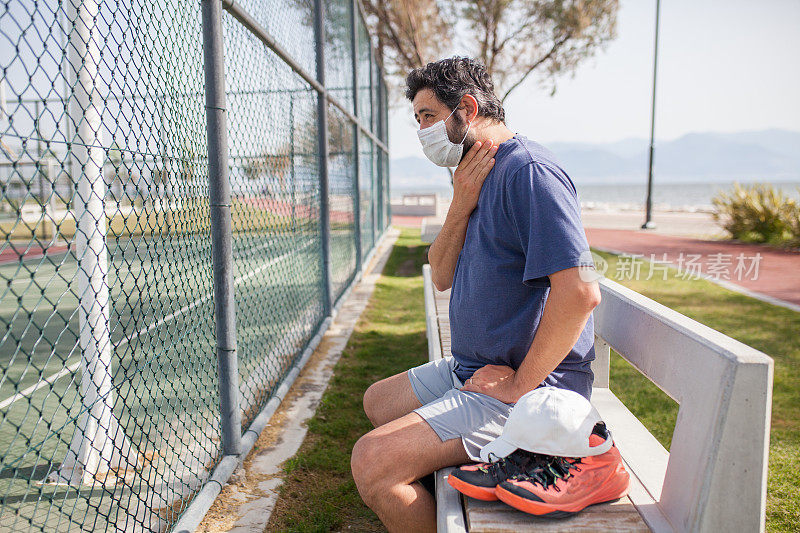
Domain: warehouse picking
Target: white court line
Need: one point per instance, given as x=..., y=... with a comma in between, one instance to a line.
x=39, y=384
x=74, y=366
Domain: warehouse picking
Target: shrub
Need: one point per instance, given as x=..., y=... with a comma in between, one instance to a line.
x=793, y=222
x=758, y=213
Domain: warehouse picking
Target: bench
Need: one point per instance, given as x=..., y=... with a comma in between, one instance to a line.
x=417, y=205
x=713, y=478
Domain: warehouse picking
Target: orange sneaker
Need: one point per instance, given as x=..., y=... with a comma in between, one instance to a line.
x=567, y=485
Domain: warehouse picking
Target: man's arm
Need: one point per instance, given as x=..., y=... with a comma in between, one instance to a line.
x=467, y=182
x=568, y=307
x=566, y=311
x=443, y=252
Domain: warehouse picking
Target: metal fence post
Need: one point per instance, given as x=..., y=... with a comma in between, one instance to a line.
x=219, y=190
x=98, y=445
x=385, y=139
x=357, y=131
x=292, y=163
x=322, y=146
x=379, y=128
x=375, y=153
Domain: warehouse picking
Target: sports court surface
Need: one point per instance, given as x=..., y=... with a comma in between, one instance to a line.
x=163, y=364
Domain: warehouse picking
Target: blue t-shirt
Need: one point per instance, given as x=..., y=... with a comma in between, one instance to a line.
x=527, y=224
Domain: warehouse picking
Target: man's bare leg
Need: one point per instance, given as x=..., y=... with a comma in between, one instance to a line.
x=389, y=399
x=387, y=462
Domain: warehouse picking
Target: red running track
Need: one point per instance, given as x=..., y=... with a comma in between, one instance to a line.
x=14, y=254
x=281, y=207
x=778, y=271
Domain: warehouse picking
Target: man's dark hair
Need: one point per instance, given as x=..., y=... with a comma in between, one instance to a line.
x=450, y=79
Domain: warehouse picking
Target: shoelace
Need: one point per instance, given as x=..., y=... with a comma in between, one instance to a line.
x=506, y=464
x=550, y=470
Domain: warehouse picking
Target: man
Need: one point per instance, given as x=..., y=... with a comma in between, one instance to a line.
x=511, y=248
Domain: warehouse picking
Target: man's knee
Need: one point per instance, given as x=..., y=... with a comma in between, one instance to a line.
x=368, y=468
x=372, y=399
x=389, y=399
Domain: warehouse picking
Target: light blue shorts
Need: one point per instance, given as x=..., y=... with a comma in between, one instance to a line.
x=474, y=417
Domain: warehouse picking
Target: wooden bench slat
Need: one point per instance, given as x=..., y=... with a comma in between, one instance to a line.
x=496, y=517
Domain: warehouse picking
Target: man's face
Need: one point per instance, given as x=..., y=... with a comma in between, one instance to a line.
x=428, y=110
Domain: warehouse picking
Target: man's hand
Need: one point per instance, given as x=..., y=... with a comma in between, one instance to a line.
x=496, y=381
x=467, y=183
x=468, y=177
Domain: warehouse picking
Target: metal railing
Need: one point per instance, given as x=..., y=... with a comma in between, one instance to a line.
x=188, y=190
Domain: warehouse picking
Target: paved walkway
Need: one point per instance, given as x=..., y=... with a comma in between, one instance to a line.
x=700, y=225
x=402, y=220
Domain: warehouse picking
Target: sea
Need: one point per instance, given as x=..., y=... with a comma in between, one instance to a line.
x=689, y=196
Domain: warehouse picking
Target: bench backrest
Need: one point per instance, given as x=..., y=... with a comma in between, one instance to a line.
x=417, y=205
x=716, y=476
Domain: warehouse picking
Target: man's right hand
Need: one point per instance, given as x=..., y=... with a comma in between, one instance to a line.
x=469, y=175
x=467, y=182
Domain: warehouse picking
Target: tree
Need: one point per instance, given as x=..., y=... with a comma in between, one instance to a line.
x=410, y=33
x=269, y=165
x=513, y=38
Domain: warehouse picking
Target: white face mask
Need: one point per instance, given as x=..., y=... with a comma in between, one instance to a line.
x=438, y=147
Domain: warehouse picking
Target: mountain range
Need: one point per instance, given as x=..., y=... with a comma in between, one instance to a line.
x=767, y=155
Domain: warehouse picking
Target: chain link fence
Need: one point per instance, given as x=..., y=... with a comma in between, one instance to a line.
x=160, y=277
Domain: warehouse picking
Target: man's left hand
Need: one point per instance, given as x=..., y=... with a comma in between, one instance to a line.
x=496, y=381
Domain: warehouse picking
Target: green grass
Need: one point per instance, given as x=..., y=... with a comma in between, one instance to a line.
x=319, y=493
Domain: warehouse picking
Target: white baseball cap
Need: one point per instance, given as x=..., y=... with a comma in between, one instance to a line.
x=550, y=421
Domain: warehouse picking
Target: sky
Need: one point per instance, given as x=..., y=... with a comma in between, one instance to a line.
x=722, y=66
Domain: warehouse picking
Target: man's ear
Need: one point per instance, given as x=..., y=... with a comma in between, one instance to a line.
x=470, y=106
